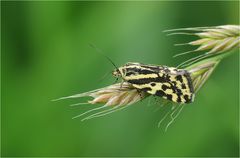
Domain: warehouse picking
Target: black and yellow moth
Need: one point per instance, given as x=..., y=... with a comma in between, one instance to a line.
x=167, y=82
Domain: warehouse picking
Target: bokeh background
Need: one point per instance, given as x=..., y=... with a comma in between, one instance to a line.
x=46, y=55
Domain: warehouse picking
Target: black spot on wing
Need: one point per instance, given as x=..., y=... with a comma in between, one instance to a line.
x=178, y=91
x=179, y=100
x=184, y=86
x=165, y=87
x=179, y=78
x=166, y=77
x=166, y=70
x=153, y=84
x=169, y=97
x=146, y=89
x=160, y=93
x=187, y=98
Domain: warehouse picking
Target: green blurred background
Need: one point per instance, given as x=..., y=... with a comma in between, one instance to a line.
x=46, y=55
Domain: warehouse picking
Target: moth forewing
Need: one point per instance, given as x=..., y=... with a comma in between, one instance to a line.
x=167, y=82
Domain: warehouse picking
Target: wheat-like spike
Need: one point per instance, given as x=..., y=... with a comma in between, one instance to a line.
x=123, y=93
x=120, y=94
x=215, y=39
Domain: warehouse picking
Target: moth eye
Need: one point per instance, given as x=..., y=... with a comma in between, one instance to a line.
x=115, y=73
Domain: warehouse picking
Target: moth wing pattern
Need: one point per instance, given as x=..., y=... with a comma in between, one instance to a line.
x=166, y=82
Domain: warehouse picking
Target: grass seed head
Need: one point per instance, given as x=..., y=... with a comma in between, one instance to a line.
x=114, y=95
x=218, y=39
x=212, y=40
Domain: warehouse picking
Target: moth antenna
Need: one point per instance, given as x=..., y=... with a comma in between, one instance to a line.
x=101, y=52
x=116, y=80
x=104, y=76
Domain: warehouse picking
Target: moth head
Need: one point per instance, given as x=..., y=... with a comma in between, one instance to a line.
x=116, y=73
x=119, y=72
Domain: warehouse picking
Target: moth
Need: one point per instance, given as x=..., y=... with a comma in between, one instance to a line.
x=167, y=82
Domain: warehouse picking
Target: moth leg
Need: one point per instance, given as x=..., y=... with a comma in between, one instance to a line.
x=104, y=76
x=121, y=84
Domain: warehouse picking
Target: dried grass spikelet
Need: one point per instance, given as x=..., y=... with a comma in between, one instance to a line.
x=213, y=40
x=114, y=97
